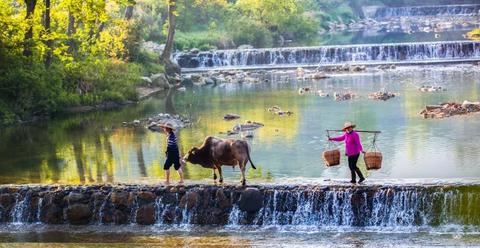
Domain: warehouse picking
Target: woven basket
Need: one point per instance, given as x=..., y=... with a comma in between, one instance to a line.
x=373, y=160
x=331, y=157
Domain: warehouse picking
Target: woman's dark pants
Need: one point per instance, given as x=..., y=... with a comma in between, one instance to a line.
x=352, y=164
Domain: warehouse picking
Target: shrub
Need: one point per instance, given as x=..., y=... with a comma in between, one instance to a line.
x=206, y=40
x=247, y=31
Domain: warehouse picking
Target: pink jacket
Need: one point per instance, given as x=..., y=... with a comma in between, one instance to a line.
x=353, y=146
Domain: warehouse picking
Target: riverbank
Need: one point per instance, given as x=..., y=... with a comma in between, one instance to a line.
x=331, y=204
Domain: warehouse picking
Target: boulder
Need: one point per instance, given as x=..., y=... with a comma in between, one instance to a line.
x=146, y=196
x=194, y=51
x=381, y=95
x=119, y=217
x=160, y=80
x=168, y=216
x=222, y=200
x=146, y=80
x=120, y=198
x=357, y=68
x=209, y=80
x=169, y=198
x=189, y=200
x=153, y=47
x=146, y=214
x=187, y=81
x=229, y=117
x=6, y=200
x=74, y=197
x=244, y=46
x=251, y=200
x=319, y=75
x=51, y=214
x=78, y=214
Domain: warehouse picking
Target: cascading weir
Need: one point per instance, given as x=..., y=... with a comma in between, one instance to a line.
x=328, y=55
x=379, y=13
x=275, y=205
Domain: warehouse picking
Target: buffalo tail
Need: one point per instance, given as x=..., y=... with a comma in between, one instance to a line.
x=249, y=159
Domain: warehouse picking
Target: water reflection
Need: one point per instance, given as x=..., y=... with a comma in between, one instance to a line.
x=95, y=148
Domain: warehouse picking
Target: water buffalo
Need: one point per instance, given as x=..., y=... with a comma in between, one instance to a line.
x=216, y=152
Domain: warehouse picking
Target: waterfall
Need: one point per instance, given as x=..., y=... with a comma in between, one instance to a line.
x=328, y=55
x=376, y=206
x=19, y=213
x=410, y=11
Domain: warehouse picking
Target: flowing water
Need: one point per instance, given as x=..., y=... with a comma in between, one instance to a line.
x=417, y=52
x=422, y=11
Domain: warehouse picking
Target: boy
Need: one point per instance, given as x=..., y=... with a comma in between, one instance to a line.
x=173, y=154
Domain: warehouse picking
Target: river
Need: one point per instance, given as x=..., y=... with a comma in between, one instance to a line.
x=96, y=148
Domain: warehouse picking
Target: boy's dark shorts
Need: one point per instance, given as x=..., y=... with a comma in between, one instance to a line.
x=173, y=158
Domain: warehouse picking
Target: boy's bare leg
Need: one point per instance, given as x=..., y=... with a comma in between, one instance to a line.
x=167, y=177
x=180, y=174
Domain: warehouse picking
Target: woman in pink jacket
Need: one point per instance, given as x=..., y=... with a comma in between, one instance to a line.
x=353, y=148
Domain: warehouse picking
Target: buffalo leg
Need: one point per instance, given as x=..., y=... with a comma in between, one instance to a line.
x=242, y=168
x=219, y=168
x=214, y=176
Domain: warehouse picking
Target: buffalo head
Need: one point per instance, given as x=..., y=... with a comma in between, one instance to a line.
x=192, y=156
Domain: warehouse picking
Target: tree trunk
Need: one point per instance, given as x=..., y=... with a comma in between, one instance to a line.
x=27, y=51
x=129, y=10
x=70, y=32
x=170, y=67
x=167, y=52
x=49, y=41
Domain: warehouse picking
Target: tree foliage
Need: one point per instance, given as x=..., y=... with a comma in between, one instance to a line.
x=62, y=53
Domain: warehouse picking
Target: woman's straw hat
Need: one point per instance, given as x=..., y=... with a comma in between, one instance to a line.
x=347, y=125
x=167, y=125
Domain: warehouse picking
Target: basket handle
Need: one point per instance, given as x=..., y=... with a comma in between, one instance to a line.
x=373, y=146
x=331, y=145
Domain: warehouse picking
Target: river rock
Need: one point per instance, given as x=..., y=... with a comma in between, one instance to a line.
x=51, y=214
x=189, y=200
x=74, y=197
x=187, y=81
x=119, y=217
x=78, y=214
x=244, y=46
x=146, y=214
x=169, y=198
x=168, y=215
x=278, y=111
x=343, y=97
x=153, y=47
x=196, y=78
x=6, y=200
x=430, y=88
x=449, y=109
x=223, y=201
x=160, y=80
x=120, y=198
x=230, y=117
x=251, y=200
x=194, y=51
x=209, y=81
x=146, y=196
x=319, y=75
x=247, y=126
x=147, y=80
x=381, y=95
